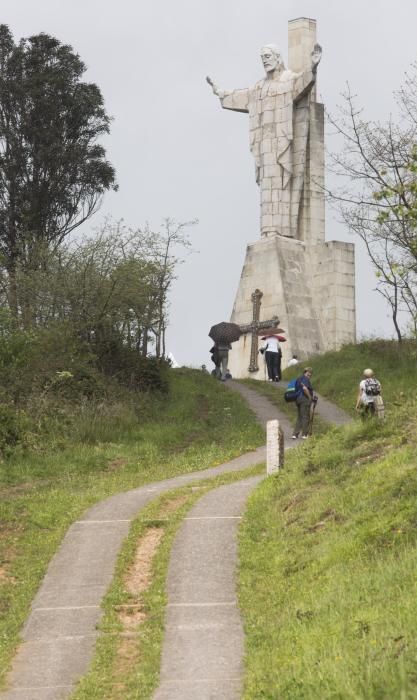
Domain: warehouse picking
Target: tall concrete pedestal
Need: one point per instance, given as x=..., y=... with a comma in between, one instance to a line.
x=311, y=288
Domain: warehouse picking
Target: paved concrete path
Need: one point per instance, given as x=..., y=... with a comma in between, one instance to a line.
x=332, y=413
x=203, y=649
x=325, y=409
x=60, y=633
x=203, y=646
x=263, y=409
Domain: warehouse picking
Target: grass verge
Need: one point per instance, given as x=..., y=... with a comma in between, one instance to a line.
x=329, y=557
x=200, y=424
x=337, y=374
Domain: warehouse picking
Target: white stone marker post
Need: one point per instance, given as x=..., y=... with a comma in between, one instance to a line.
x=274, y=447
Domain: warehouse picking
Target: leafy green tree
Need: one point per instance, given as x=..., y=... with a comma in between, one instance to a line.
x=53, y=169
x=114, y=285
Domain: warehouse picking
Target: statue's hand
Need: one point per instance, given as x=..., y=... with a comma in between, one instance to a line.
x=316, y=56
x=213, y=86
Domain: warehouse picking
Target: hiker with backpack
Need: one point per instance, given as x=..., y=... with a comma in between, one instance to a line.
x=304, y=400
x=369, y=400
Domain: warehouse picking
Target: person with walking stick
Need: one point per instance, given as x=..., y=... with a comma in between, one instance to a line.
x=306, y=403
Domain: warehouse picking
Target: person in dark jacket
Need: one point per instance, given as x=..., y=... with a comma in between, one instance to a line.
x=214, y=354
x=303, y=401
x=220, y=357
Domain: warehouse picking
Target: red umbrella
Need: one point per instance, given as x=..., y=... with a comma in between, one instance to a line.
x=270, y=331
x=278, y=337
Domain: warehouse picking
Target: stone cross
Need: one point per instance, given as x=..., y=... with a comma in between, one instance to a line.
x=255, y=326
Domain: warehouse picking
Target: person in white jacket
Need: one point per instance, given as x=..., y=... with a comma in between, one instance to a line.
x=272, y=350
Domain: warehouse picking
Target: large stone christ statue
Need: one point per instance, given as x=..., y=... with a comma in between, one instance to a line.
x=290, y=272
x=271, y=104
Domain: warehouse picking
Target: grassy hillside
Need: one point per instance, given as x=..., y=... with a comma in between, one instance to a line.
x=329, y=548
x=337, y=374
x=106, y=449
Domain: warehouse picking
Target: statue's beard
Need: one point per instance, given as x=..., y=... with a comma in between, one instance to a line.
x=269, y=69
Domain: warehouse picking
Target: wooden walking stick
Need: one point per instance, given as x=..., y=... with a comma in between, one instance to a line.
x=312, y=410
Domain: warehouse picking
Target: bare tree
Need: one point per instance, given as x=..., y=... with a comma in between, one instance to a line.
x=377, y=193
x=165, y=248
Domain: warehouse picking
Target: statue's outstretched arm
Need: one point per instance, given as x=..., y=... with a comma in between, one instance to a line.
x=237, y=100
x=214, y=87
x=306, y=80
x=316, y=57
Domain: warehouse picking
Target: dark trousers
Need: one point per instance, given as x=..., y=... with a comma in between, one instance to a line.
x=303, y=415
x=368, y=410
x=224, y=359
x=273, y=364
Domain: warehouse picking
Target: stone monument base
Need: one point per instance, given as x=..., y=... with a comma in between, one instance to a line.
x=312, y=291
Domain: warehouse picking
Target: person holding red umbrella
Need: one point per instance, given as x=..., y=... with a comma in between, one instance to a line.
x=273, y=354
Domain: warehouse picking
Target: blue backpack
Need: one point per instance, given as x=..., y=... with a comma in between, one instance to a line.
x=292, y=391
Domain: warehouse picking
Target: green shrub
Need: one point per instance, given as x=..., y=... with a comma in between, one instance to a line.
x=12, y=428
x=129, y=367
x=54, y=375
x=83, y=383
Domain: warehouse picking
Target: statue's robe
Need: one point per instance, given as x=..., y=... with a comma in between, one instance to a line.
x=271, y=104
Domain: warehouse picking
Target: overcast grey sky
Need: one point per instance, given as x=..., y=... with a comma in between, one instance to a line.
x=178, y=154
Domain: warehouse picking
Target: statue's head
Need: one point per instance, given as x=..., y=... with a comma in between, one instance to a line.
x=271, y=57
